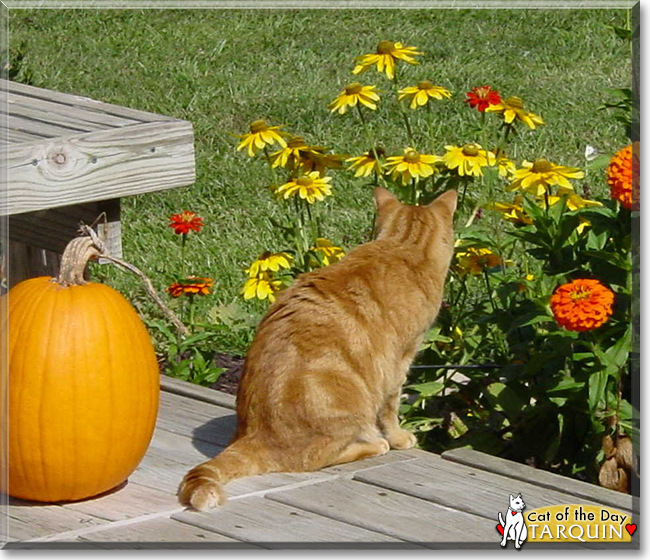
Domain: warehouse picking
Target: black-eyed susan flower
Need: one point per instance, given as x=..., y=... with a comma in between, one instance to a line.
x=261, y=135
x=537, y=177
x=317, y=160
x=328, y=253
x=310, y=187
x=411, y=165
x=474, y=260
x=262, y=287
x=355, y=93
x=506, y=167
x=385, y=58
x=366, y=163
x=513, y=108
x=468, y=159
x=420, y=94
x=191, y=286
x=292, y=154
x=268, y=261
x=573, y=202
x=482, y=97
x=511, y=212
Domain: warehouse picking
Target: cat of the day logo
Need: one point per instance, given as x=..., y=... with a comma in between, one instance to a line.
x=563, y=523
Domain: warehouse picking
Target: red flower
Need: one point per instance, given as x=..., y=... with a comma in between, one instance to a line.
x=192, y=285
x=482, y=97
x=185, y=221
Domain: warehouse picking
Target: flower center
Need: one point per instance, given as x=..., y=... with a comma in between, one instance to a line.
x=304, y=181
x=385, y=47
x=426, y=84
x=353, y=89
x=258, y=126
x=515, y=102
x=482, y=92
x=470, y=150
x=411, y=156
x=296, y=142
x=580, y=293
x=541, y=166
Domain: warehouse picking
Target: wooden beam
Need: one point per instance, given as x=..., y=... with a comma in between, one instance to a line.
x=98, y=165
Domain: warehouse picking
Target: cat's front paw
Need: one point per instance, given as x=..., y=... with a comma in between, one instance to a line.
x=200, y=491
x=401, y=439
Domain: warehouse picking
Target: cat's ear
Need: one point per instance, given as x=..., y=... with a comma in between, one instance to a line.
x=449, y=199
x=511, y=497
x=519, y=495
x=382, y=196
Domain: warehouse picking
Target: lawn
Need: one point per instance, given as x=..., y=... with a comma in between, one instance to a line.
x=223, y=69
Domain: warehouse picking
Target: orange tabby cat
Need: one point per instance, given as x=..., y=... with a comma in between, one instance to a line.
x=323, y=376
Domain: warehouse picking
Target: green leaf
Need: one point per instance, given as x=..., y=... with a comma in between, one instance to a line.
x=565, y=386
x=599, y=163
x=429, y=389
x=597, y=387
x=503, y=398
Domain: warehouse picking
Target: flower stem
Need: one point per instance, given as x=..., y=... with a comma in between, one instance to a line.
x=407, y=124
x=371, y=142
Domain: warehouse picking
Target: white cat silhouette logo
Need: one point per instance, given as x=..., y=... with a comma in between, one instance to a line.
x=514, y=527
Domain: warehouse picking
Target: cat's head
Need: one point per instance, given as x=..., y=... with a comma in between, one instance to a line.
x=429, y=227
x=517, y=502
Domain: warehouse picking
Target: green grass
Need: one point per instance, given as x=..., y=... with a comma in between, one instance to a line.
x=222, y=69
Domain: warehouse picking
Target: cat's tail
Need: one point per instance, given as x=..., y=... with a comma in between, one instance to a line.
x=202, y=487
x=501, y=520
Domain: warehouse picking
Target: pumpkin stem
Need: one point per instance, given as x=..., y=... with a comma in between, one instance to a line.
x=74, y=260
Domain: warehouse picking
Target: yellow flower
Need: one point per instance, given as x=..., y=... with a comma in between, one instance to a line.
x=328, y=252
x=261, y=287
x=309, y=187
x=513, y=213
x=411, y=165
x=507, y=167
x=536, y=178
x=513, y=108
x=298, y=155
x=260, y=135
x=352, y=94
x=366, y=163
x=317, y=160
x=421, y=93
x=268, y=261
x=575, y=202
x=474, y=260
x=468, y=159
x=385, y=57
x=292, y=154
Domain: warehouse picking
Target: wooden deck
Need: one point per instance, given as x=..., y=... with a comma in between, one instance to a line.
x=407, y=499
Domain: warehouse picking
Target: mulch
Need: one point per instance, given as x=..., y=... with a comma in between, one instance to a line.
x=229, y=380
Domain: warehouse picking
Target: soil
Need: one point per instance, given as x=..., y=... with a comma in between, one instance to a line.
x=229, y=380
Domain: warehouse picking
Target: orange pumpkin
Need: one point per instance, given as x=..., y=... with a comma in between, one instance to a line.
x=81, y=389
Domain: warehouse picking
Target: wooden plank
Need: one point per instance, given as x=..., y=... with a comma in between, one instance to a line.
x=37, y=128
x=391, y=513
x=98, y=166
x=92, y=120
x=197, y=392
x=199, y=420
x=27, y=520
x=144, y=534
x=65, y=120
x=128, y=501
x=517, y=471
x=273, y=525
x=68, y=100
x=445, y=483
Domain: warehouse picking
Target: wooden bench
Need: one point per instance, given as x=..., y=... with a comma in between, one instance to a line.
x=70, y=158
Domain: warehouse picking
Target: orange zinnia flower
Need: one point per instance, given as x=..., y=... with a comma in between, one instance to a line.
x=619, y=177
x=191, y=286
x=185, y=221
x=582, y=305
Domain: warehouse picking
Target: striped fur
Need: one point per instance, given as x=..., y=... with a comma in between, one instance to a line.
x=323, y=376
